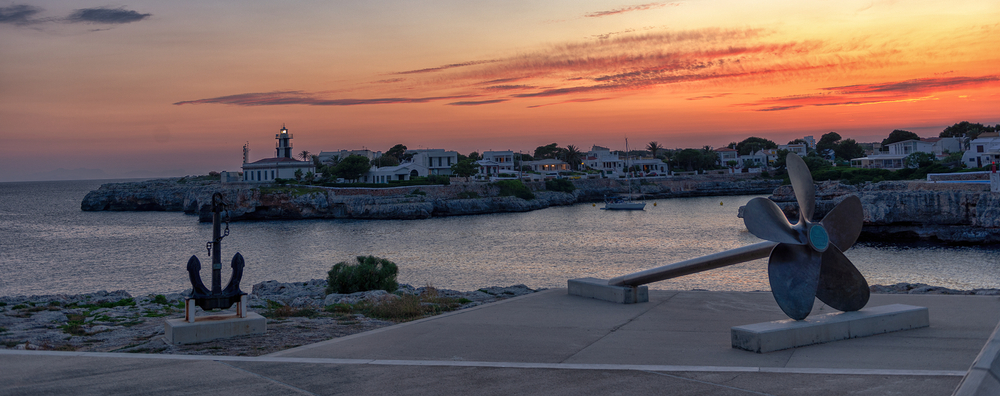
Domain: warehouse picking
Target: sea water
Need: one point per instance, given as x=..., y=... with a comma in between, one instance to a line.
x=48, y=245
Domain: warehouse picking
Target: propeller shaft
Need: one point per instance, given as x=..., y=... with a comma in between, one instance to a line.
x=704, y=263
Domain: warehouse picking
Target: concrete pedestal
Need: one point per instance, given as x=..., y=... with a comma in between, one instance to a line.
x=207, y=328
x=600, y=290
x=784, y=334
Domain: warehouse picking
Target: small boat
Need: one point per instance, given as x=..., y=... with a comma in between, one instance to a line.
x=626, y=202
x=622, y=203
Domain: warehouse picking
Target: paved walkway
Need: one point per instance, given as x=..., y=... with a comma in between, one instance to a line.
x=553, y=343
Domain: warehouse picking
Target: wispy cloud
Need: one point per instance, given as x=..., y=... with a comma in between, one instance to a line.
x=19, y=14
x=477, y=102
x=641, y=7
x=703, y=97
x=616, y=66
x=869, y=94
x=446, y=67
x=310, y=99
x=581, y=100
x=104, y=15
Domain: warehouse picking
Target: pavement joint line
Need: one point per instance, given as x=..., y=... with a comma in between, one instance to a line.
x=396, y=326
x=266, y=378
x=709, y=383
x=513, y=365
x=616, y=328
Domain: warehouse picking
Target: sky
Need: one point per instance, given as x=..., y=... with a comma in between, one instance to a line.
x=174, y=88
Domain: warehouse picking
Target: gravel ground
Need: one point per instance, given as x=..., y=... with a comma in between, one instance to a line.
x=297, y=313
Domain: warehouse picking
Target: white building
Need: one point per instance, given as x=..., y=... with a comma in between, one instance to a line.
x=400, y=172
x=727, y=154
x=601, y=159
x=496, y=163
x=898, y=151
x=437, y=161
x=546, y=166
x=983, y=150
x=800, y=149
x=282, y=166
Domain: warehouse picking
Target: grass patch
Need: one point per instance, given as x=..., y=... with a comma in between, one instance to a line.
x=67, y=348
x=410, y=306
x=276, y=310
x=468, y=195
x=514, y=188
x=11, y=344
x=3, y=329
x=74, y=325
x=154, y=314
x=19, y=306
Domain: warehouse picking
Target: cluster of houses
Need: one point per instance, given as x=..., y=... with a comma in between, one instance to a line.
x=600, y=161
x=495, y=165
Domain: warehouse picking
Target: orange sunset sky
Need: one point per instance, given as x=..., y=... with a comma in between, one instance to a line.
x=177, y=87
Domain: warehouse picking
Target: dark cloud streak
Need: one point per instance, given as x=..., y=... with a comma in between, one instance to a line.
x=107, y=16
x=300, y=98
x=641, y=7
x=19, y=14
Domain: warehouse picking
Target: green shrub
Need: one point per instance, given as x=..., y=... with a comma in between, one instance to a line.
x=561, y=185
x=160, y=299
x=514, y=188
x=364, y=274
x=468, y=195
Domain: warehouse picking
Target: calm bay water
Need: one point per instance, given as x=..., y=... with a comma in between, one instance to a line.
x=48, y=245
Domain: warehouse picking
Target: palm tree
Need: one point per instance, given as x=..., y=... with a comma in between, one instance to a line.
x=304, y=155
x=572, y=156
x=653, y=148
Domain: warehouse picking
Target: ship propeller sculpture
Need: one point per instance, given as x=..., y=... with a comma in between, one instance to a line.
x=805, y=260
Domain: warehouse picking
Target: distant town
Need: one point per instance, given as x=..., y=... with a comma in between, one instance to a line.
x=961, y=146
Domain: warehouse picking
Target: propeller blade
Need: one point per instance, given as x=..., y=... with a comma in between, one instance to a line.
x=802, y=184
x=765, y=220
x=793, y=271
x=844, y=222
x=841, y=285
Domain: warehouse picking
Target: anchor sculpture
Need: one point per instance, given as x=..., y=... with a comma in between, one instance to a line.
x=217, y=297
x=806, y=259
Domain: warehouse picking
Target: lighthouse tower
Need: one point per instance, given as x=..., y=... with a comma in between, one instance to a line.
x=284, y=143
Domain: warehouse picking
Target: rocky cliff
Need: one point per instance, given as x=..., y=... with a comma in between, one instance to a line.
x=911, y=210
x=269, y=202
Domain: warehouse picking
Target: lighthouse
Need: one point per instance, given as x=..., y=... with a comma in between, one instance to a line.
x=284, y=147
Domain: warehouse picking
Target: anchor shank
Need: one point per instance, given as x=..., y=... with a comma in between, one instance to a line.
x=704, y=263
x=216, y=245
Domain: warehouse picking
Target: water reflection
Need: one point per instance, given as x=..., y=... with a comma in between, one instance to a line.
x=58, y=248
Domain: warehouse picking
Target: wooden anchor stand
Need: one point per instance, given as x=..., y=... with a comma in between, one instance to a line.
x=201, y=329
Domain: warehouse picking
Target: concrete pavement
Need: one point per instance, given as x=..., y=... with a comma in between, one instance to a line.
x=553, y=343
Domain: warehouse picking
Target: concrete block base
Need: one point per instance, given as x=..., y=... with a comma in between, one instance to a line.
x=207, y=328
x=600, y=290
x=789, y=333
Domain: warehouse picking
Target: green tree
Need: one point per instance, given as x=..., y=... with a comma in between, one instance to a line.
x=849, y=149
x=572, y=156
x=304, y=155
x=653, y=148
x=298, y=174
x=397, y=151
x=475, y=156
x=550, y=151
x=352, y=167
x=918, y=160
x=465, y=168
x=385, y=160
x=753, y=144
x=966, y=129
x=310, y=176
x=828, y=141
x=899, y=135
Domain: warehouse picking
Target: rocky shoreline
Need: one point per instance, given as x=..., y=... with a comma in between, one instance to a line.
x=906, y=211
x=297, y=313
x=250, y=201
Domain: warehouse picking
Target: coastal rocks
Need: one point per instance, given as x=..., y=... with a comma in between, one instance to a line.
x=920, y=288
x=253, y=201
x=902, y=211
